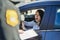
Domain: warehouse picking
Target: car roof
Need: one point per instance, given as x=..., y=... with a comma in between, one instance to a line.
x=22, y=4
x=34, y=5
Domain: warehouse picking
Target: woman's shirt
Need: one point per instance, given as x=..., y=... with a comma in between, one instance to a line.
x=32, y=24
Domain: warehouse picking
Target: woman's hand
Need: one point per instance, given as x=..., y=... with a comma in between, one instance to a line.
x=20, y=31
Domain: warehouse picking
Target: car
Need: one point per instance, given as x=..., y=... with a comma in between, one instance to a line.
x=50, y=26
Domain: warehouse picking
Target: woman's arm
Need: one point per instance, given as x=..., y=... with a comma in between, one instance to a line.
x=30, y=24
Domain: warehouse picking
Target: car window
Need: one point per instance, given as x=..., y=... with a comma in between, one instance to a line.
x=57, y=19
x=29, y=14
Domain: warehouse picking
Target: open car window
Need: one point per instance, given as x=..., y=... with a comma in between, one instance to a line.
x=29, y=14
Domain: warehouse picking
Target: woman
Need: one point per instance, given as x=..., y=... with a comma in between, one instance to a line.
x=35, y=24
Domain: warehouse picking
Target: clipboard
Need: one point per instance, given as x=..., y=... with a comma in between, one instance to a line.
x=28, y=34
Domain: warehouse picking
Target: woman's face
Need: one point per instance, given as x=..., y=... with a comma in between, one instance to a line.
x=37, y=17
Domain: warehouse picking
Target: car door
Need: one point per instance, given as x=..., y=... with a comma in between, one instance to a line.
x=54, y=21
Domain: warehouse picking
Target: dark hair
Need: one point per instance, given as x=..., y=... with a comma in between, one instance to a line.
x=41, y=13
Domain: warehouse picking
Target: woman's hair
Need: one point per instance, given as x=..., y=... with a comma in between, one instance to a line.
x=41, y=13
